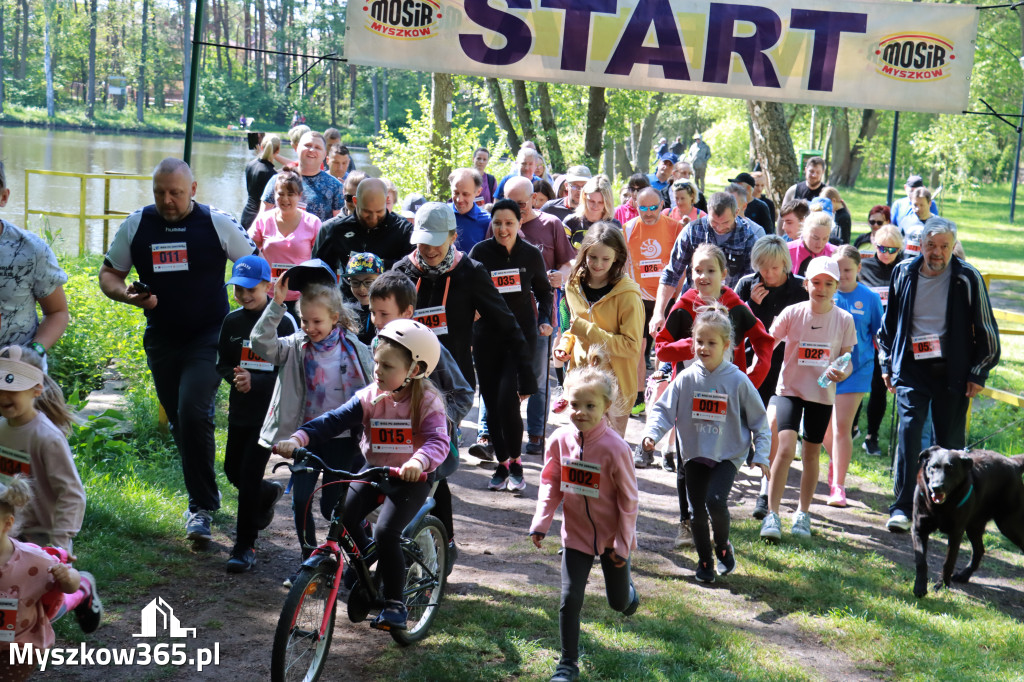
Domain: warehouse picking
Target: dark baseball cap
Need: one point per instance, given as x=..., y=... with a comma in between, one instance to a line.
x=915, y=181
x=745, y=178
x=313, y=271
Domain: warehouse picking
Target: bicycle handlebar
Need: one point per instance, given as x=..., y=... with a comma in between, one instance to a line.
x=299, y=464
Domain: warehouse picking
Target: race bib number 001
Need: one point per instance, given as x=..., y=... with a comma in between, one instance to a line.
x=13, y=462
x=927, y=346
x=813, y=354
x=650, y=268
x=170, y=257
x=8, y=619
x=388, y=436
x=581, y=478
x=252, y=361
x=709, y=406
x=436, y=318
x=507, y=281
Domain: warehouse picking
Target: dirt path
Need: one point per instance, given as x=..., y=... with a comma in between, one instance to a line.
x=239, y=613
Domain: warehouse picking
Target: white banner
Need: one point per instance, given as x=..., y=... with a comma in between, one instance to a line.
x=881, y=55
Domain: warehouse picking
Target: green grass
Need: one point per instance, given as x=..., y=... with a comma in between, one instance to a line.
x=113, y=120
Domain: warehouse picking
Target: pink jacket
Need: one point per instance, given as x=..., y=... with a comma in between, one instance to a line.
x=590, y=524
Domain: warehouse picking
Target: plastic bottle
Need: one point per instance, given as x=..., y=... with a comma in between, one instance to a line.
x=841, y=362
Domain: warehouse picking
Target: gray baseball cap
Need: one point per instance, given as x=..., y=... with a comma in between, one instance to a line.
x=434, y=223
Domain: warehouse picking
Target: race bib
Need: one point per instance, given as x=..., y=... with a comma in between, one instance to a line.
x=388, y=436
x=278, y=269
x=913, y=247
x=170, y=257
x=8, y=618
x=813, y=354
x=581, y=478
x=13, y=462
x=650, y=268
x=252, y=361
x=709, y=406
x=436, y=318
x=507, y=281
x=883, y=293
x=926, y=346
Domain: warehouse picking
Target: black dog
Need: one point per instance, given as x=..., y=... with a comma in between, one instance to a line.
x=959, y=491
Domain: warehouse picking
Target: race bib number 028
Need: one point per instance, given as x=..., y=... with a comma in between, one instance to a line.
x=507, y=281
x=170, y=257
x=582, y=478
x=8, y=619
x=13, y=462
x=709, y=406
x=436, y=318
x=389, y=436
x=813, y=354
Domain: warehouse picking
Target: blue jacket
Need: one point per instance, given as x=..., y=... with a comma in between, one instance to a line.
x=471, y=227
x=736, y=248
x=972, y=337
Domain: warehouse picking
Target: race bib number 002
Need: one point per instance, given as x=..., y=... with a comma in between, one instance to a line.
x=170, y=257
x=13, y=462
x=927, y=346
x=507, y=281
x=252, y=361
x=813, y=354
x=436, y=318
x=8, y=619
x=581, y=478
x=709, y=406
x=388, y=436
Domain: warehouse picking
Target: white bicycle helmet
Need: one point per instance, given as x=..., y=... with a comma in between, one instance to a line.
x=417, y=338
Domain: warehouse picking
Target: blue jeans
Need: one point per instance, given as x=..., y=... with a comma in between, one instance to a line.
x=537, y=405
x=185, y=376
x=923, y=386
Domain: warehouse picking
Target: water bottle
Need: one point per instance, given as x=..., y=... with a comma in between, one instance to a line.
x=841, y=362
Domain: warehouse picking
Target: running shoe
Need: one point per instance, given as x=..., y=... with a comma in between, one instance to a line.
x=771, y=527
x=705, y=572
x=499, y=479
x=197, y=525
x=515, y=477
x=801, y=525
x=872, y=447
x=642, y=458
x=566, y=672
x=393, y=617
x=535, y=445
x=89, y=612
x=685, y=536
x=638, y=408
x=726, y=559
x=242, y=560
x=838, y=497
x=266, y=517
x=760, y=507
x=482, y=449
x=898, y=522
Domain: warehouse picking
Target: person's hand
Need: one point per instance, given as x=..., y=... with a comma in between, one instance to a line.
x=281, y=290
x=560, y=355
x=836, y=374
x=647, y=444
x=657, y=322
x=973, y=389
x=555, y=279
x=524, y=397
x=537, y=539
x=545, y=329
x=285, y=448
x=758, y=293
x=685, y=221
x=242, y=380
x=888, y=384
x=410, y=471
x=146, y=301
x=766, y=471
x=62, y=575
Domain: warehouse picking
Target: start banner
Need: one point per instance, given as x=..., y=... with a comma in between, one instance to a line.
x=881, y=55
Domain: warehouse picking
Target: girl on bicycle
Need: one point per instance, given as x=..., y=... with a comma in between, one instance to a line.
x=403, y=420
x=598, y=492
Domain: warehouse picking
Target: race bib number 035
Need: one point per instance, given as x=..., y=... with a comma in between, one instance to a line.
x=170, y=257
x=13, y=462
x=389, y=436
x=8, y=619
x=709, y=406
x=507, y=281
x=436, y=318
x=813, y=354
x=582, y=478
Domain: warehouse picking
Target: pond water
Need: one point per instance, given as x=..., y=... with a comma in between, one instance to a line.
x=219, y=167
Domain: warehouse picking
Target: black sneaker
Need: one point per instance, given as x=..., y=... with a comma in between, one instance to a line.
x=871, y=446
x=760, y=507
x=566, y=672
x=726, y=559
x=705, y=572
x=393, y=617
x=516, y=480
x=197, y=525
x=482, y=449
x=90, y=612
x=453, y=556
x=242, y=560
x=266, y=516
x=634, y=603
x=499, y=479
x=535, y=446
x=668, y=462
x=642, y=458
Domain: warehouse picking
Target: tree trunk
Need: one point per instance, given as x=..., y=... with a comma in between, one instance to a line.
x=90, y=99
x=839, y=164
x=523, y=111
x=868, y=128
x=261, y=42
x=48, y=8
x=597, y=112
x=643, y=151
x=246, y=37
x=773, y=147
x=334, y=92
x=501, y=113
x=439, y=164
x=140, y=95
x=547, y=121
x=384, y=95
x=375, y=91
x=23, y=64
x=622, y=160
x=352, y=77
x=186, y=61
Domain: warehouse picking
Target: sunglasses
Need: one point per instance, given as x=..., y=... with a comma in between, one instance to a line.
x=648, y=209
x=876, y=222
x=360, y=283
x=891, y=250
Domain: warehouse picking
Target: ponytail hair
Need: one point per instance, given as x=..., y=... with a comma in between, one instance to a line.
x=51, y=401
x=14, y=495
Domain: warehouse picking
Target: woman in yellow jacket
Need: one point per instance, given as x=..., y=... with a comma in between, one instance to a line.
x=606, y=310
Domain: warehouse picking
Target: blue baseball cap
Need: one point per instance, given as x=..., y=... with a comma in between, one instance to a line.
x=669, y=156
x=823, y=204
x=248, y=271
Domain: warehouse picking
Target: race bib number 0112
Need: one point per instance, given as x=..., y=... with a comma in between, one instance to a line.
x=709, y=406
x=813, y=354
x=8, y=619
x=581, y=478
x=388, y=436
x=170, y=257
x=436, y=318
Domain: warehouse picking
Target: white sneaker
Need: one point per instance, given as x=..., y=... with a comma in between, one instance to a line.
x=898, y=522
x=801, y=525
x=771, y=527
x=685, y=536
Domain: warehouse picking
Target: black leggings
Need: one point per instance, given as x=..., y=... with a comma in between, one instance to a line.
x=499, y=389
x=877, y=399
x=337, y=453
x=576, y=567
x=648, y=339
x=708, y=489
x=398, y=510
x=244, y=464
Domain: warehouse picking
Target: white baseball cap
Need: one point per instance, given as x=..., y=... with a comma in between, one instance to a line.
x=823, y=265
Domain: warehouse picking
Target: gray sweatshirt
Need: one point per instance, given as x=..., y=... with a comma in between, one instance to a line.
x=716, y=415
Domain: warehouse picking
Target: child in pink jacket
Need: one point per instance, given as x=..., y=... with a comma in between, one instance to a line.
x=589, y=469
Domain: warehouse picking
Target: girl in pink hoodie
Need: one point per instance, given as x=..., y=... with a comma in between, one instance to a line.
x=589, y=469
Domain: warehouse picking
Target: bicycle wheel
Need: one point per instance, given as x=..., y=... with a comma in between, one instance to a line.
x=425, y=559
x=299, y=650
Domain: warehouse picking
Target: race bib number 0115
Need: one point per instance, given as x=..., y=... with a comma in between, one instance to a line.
x=170, y=257
x=8, y=619
x=388, y=436
x=709, y=406
x=582, y=478
x=507, y=281
x=813, y=354
x=436, y=318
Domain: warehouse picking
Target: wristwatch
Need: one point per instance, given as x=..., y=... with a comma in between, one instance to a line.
x=38, y=347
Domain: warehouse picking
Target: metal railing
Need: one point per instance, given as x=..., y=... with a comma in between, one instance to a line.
x=108, y=213
x=1001, y=316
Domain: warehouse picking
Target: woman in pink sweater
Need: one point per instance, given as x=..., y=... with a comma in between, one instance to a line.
x=589, y=469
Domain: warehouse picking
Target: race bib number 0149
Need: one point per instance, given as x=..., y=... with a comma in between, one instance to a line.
x=388, y=436
x=581, y=478
x=436, y=318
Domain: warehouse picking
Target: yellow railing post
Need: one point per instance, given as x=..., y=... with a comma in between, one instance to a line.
x=106, y=211
x=81, y=215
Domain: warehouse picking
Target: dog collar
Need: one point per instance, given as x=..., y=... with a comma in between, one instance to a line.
x=966, y=497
